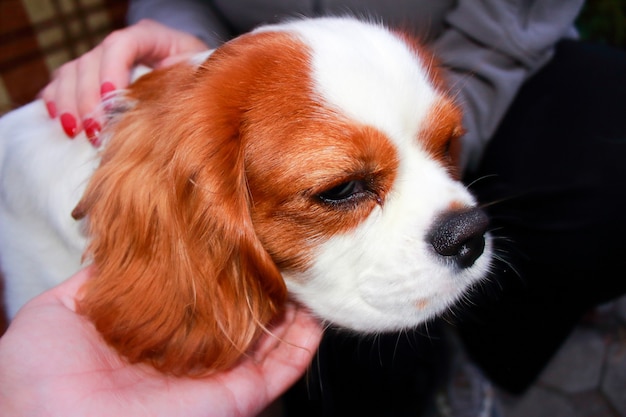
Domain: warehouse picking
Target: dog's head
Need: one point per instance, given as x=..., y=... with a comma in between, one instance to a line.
x=314, y=156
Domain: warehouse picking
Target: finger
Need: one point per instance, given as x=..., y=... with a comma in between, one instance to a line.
x=72, y=95
x=65, y=98
x=69, y=290
x=300, y=339
x=166, y=42
x=293, y=324
x=119, y=53
x=147, y=43
x=169, y=61
x=47, y=95
x=88, y=93
x=274, y=335
x=284, y=365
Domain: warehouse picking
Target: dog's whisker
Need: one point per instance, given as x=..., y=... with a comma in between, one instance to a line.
x=479, y=179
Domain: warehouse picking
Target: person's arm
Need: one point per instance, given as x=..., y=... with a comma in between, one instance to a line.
x=491, y=47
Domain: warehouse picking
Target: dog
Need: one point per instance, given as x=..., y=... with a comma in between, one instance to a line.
x=312, y=159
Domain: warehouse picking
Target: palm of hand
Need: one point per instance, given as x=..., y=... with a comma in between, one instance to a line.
x=53, y=362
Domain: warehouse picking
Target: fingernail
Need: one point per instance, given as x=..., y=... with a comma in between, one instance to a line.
x=69, y=124
x=52, y=109
x=106, y=88
x=92, y=131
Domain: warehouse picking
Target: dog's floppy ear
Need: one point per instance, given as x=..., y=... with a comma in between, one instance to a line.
x=181, y=279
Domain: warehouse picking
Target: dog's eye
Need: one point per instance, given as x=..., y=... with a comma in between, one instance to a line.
x=344, y=192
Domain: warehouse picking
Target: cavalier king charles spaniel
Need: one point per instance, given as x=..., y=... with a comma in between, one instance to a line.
x=311, y=160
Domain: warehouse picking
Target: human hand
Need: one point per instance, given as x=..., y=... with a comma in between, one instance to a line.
x=54, y=363
x=77, y=87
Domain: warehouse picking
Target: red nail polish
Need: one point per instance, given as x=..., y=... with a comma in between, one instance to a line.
x=52, y=109
x=69, y=124
x=106, y=88
x=92, y=131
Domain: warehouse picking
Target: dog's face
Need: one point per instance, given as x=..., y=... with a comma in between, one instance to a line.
x=315, y=156
x=359, y=180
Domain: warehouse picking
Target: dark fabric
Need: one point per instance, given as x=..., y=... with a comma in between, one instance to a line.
x=554, y=183
x=385, y=375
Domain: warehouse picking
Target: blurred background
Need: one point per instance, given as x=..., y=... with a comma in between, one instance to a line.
x=37, y=36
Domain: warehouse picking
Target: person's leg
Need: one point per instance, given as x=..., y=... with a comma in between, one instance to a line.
x=554, y=183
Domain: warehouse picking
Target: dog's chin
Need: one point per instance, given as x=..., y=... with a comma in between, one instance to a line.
x=390, y=303
x=358, y=315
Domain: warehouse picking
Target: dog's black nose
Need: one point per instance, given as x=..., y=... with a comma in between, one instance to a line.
x=460, y=235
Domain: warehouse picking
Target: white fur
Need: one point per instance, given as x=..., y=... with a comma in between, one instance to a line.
x=42, y=177
x=383, y=275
